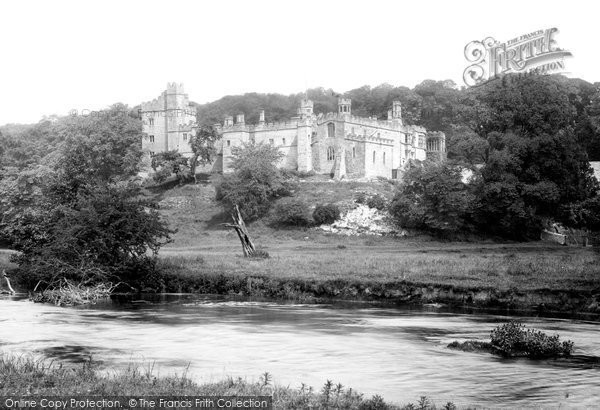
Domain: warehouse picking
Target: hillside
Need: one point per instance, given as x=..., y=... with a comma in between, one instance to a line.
x=194, y=212
x=308, y=263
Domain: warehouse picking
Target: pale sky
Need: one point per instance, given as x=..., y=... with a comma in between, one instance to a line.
x=86, y=55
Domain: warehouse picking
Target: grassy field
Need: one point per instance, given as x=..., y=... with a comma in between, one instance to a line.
x=25, y=376
x=322, y=257
x=202, y=246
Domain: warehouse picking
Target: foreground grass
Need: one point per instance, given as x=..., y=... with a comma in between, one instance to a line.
x=22, y=376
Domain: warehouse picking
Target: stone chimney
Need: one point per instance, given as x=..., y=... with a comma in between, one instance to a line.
x=228, y=121
x=261, y=118
x=240, y=119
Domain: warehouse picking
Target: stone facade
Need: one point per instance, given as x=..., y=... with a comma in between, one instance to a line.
x=168, y=122
x=338, y=143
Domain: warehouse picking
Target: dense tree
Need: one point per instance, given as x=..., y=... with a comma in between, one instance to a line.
x=169, y=163
x=203, y=147
x=434, y=198
x=466, y=145
x=255, y=182
x=103, y=234
x=439, y=104
x=82, y=215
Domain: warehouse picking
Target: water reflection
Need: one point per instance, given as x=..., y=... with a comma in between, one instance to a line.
x=399, y=354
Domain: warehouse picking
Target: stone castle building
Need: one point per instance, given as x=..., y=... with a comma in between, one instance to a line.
x=335, y=143
x=168, y=121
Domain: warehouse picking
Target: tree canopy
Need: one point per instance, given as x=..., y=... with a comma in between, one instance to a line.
x=80, y=213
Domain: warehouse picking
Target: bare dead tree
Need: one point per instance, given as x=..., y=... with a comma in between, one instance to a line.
x=10, y=288
x=242, y=232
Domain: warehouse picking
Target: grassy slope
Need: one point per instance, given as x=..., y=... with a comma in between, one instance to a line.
x=202, y=246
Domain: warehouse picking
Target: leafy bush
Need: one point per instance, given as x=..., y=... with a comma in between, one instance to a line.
x=583, y=214
x=326, y=214
x=255, y=182
x=376, y=202
x=513, y=339
x=291, y=212
x=433, y=198
x=292, y=173
x=169, y=163
x=361, y=198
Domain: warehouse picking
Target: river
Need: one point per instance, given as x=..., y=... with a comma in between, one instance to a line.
x=398, y=353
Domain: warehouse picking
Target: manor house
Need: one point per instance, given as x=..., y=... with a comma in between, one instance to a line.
x=339, y=143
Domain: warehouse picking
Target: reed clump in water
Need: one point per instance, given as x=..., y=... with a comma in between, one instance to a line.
x=68, y=293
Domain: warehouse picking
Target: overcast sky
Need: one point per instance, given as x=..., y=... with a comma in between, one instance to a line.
x=63, y=55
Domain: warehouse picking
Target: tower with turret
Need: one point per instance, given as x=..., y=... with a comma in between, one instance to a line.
x=168, y=121
x=344, y=106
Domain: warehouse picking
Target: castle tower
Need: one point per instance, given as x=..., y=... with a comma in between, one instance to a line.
x=344, y=105
x=306, y=108
x=397, y=111
x=304, y=136
x=168, y=121
x=436, y=146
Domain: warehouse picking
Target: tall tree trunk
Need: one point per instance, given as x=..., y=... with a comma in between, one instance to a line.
x=242, y=232
x=193, y=165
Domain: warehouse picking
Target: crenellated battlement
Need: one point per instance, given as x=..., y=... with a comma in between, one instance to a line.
x=157, y=104
x=368, y=122
x=175, y=88
x=370, y=138
x=229, y=126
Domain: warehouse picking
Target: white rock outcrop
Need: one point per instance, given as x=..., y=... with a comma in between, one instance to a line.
x=363, y=220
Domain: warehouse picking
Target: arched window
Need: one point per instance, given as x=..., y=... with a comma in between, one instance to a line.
x=384, y=157
x=330, y=154
x=373, y=157
x=331, y=130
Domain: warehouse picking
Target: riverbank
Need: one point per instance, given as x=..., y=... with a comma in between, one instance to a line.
x=311, y=266
x=25, y=376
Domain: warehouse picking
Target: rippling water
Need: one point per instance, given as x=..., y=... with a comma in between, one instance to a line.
x=399, y=354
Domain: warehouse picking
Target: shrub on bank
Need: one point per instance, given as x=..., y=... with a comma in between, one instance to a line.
x=291, y=212
x=326, y=214
x=376, y=202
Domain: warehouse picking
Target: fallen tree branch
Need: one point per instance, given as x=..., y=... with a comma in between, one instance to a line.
x=242, y=232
